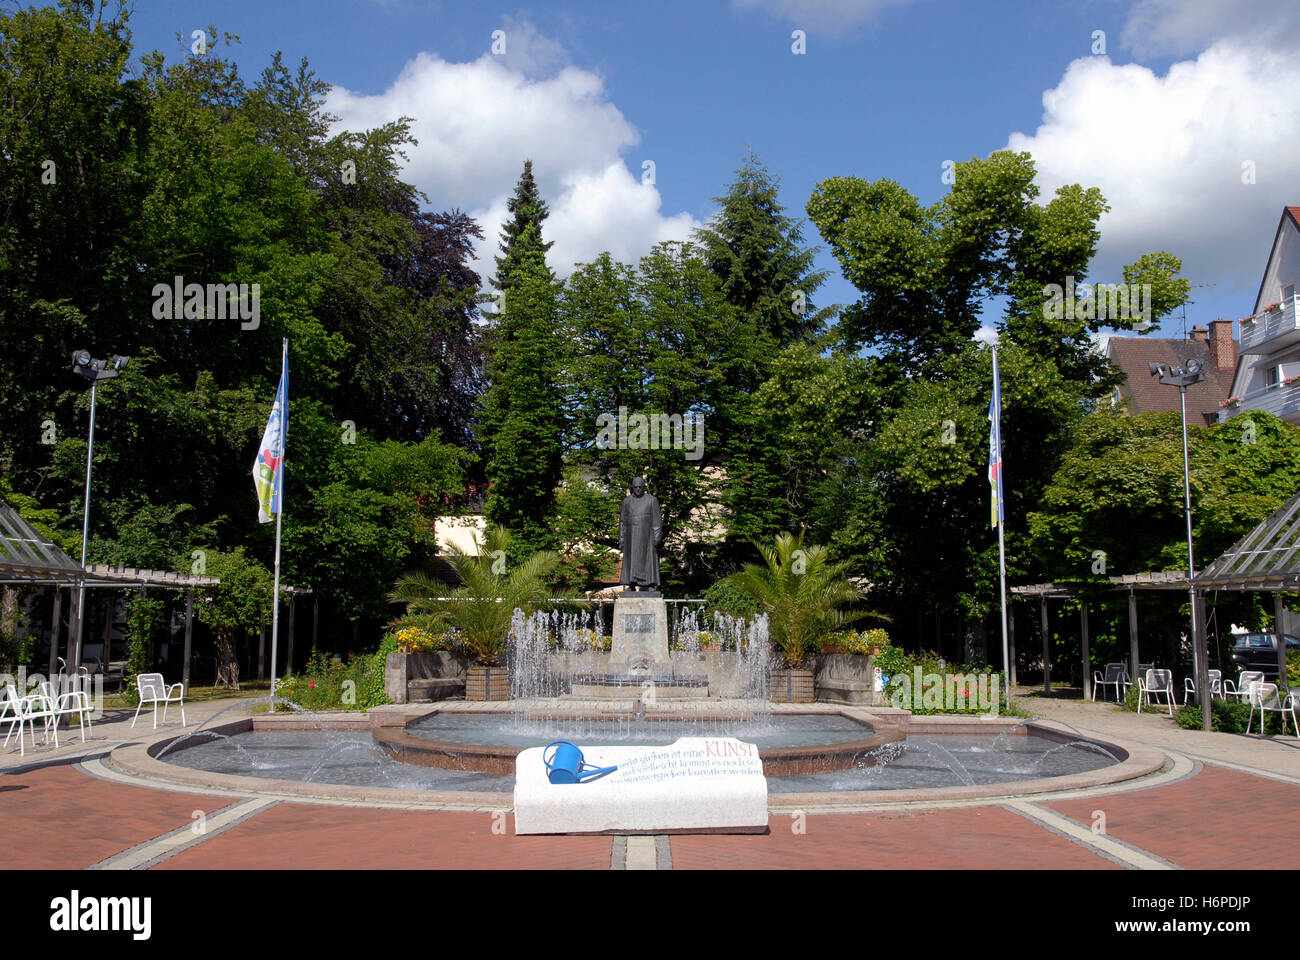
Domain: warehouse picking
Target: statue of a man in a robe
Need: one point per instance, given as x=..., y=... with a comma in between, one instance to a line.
x=640, y=529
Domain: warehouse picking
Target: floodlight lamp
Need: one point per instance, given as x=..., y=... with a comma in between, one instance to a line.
x=1157, y=369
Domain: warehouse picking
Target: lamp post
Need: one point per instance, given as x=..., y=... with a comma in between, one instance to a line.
x=94, y=371
x=1183, y=377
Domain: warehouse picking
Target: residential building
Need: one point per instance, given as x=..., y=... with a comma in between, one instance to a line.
x=1268, y=370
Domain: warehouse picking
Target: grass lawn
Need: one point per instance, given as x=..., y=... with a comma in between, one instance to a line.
x=200, y=694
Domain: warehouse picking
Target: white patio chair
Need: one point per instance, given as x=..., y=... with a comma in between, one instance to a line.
x=25, y=711
x=73, y=703
x=153, y=689
x=1264, y=696
x=1244, y=680
x=1216, y=686
x=1116, y=674
x=1156, y=683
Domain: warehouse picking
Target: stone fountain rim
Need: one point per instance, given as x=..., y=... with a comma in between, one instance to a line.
x=499, y=759
x=1139, y=760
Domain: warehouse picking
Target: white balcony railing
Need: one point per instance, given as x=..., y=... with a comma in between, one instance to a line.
x=1281, y=400
x=1271, y=325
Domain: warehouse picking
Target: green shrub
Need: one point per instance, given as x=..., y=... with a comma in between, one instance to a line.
x=1131, y=698
x=142, y=615
x=725, y=598
x=328, y=684
x=891, y=660
x=1226, y=716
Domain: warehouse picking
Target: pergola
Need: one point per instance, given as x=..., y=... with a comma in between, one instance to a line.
x=1267, y=559
x=30, y=559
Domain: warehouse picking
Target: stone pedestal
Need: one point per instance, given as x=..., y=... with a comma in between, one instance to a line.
x=640, y=647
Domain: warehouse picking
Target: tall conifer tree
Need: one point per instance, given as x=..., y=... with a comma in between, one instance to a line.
x=521, y=425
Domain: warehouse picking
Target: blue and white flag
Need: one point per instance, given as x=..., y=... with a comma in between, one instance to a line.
x=995, y=447
x=268, y=469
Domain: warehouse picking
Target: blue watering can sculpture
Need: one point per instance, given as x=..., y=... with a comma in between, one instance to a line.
x=566, y=764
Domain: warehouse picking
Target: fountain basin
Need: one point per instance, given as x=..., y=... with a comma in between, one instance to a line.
x=853, y=745
x=1143, y=765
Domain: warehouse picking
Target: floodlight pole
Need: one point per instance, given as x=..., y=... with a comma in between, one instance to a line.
x=85, y=538
x=1201, y=656
x=1183, y=376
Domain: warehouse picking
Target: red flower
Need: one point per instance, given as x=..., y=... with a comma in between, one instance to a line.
x=312, y=685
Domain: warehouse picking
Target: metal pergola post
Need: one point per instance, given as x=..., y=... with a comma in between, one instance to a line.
x=1132, y=636
x=1047, y=648
x=1087, y=660
x=1280, y=630
x=189, y=635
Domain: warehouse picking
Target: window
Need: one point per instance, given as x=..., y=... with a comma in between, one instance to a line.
x=1288, y=292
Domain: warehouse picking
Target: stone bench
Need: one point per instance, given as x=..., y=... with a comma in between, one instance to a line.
x=434, y=688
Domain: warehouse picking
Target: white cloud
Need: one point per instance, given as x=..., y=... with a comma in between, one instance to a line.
x=830, y=15
x=477, y=122
x=1176, y=27
x=1168, y=151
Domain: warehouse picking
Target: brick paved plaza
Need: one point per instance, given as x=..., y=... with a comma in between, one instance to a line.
x=1189, y=815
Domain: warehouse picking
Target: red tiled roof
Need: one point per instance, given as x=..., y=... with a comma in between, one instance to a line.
x=1144, y=393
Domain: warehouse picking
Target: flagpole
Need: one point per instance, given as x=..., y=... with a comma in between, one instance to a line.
x=1002, y=547
x=278, y=499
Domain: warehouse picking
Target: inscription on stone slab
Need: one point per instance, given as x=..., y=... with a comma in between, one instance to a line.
x=696, y=783
x=639, y=622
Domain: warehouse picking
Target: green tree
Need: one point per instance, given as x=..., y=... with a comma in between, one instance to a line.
x=521, y=423
x=758, y=256
x=1119, y=490
x=234, y=608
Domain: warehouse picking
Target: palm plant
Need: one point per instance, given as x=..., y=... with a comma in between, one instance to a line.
x=483, y=604
x=802, y=593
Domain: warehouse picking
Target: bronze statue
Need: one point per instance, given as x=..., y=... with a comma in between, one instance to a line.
x=640, y=529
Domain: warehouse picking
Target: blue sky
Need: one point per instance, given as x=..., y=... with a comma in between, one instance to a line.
x=1184, y=96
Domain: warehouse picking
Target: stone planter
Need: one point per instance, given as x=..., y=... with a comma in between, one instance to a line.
x=845, y=678
x=487, y=683
x=402, y=671
x=792, y=686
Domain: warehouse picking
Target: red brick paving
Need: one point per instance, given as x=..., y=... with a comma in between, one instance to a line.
x=962, y=839
x=59, y=817
x=314, y=837
x=1218, y=819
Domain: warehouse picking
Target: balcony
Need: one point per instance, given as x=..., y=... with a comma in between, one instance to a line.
x=1273, y=329
x=1281, y=400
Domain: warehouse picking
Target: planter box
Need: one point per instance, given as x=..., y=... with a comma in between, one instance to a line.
x=792, y=686
x=487, y=683
x=845, y=678
x=401, y=669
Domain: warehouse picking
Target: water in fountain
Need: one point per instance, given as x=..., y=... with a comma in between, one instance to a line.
x=549, y=651
x=944, y=756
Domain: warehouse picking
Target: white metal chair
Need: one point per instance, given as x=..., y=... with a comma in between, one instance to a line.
x=1264, y=696
x=1116, y=675
x=153, y=689
x=1244, y=680
x=1156, y=683
x=73, y=703
x=1216, y=686
x=25, y=711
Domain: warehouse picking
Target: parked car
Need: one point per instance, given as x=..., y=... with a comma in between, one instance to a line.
x=1258, y=651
